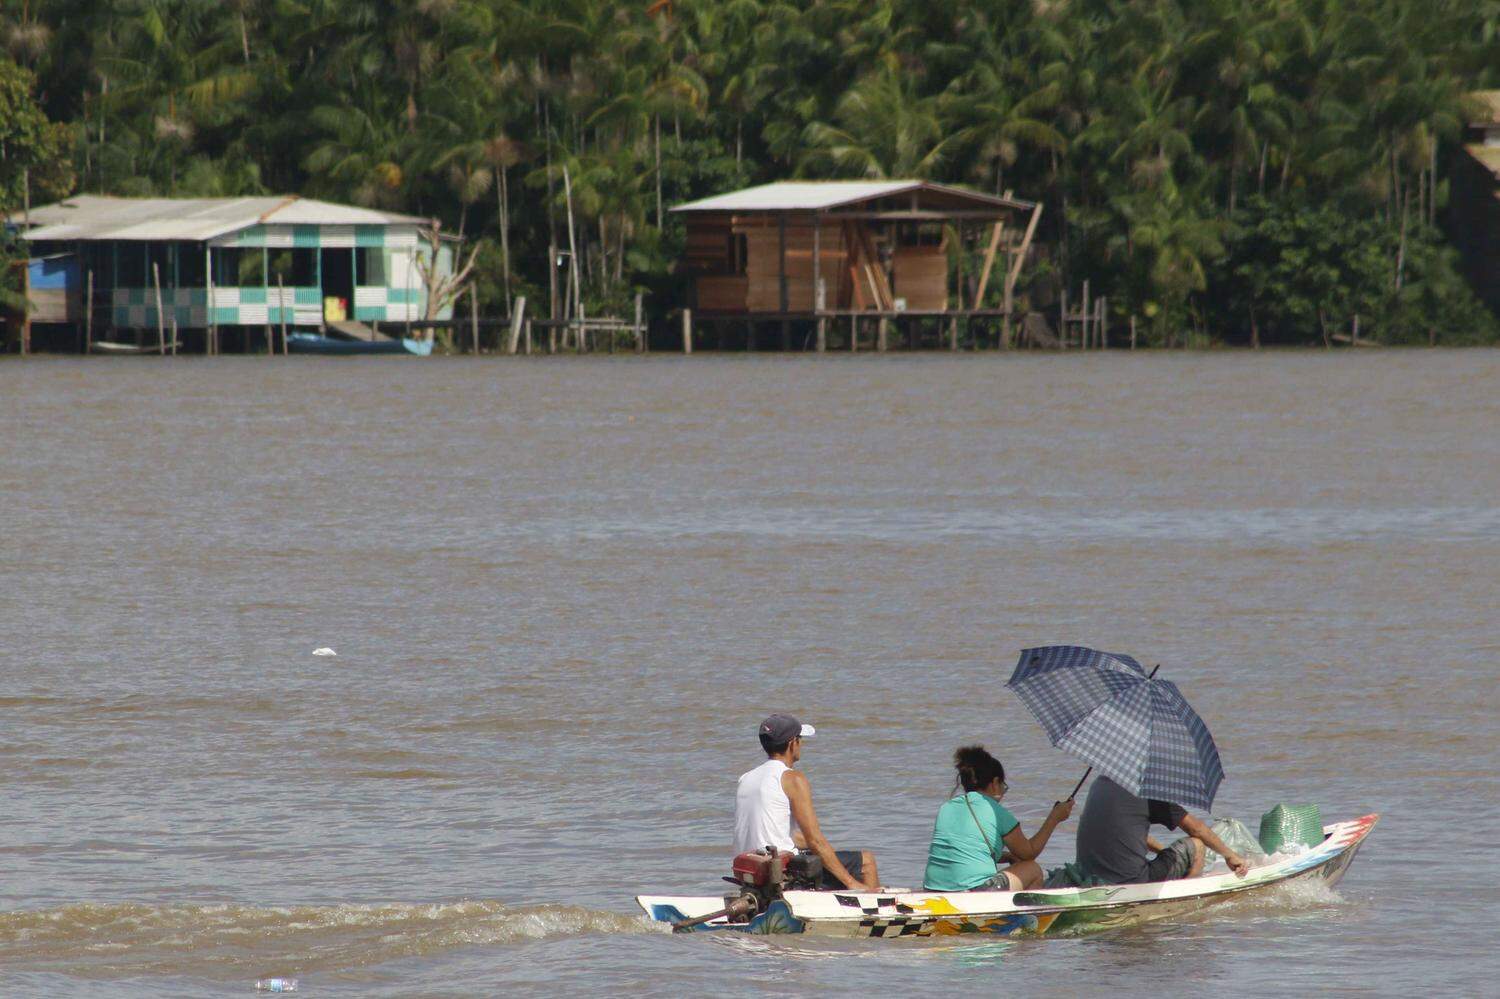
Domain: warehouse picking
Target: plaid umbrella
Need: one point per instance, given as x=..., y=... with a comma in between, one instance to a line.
x=1138, y=730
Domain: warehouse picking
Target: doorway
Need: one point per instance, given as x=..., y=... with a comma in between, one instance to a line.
x=338, y=282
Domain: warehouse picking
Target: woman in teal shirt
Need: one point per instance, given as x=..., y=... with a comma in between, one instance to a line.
x=975, y=834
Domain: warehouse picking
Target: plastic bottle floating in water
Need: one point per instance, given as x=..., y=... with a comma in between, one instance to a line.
x=276, y=985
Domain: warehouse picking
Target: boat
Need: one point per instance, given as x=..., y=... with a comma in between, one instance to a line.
x=897, y=913
x=113, y=347
x=316, y=343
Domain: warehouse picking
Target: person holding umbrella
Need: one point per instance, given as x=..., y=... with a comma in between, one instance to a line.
x=1154, y=753
x=1114, y=837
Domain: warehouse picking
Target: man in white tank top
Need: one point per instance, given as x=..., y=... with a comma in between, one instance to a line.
x=773, y=807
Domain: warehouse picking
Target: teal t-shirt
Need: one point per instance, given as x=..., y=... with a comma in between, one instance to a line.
x=959, y=859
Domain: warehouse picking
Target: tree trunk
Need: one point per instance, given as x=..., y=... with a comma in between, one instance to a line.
x=504, y=196
x=1401, y=246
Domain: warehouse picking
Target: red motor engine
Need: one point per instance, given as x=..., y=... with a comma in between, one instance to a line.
x=756, y=870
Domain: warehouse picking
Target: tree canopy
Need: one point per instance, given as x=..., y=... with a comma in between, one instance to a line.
x=1205, y=163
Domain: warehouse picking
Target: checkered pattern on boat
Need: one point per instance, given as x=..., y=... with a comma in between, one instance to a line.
x=1139, y=731
x=891, y=926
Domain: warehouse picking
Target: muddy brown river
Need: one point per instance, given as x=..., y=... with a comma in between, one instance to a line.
x=563, y=591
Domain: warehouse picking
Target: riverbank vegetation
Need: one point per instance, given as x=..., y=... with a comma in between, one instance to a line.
x=1236, y=171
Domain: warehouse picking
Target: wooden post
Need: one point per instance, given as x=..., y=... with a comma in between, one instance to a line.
x=1083, y=336
x=516, y=319
x=880, y=334
x=211, y=345
x=1062, y=320
x=640, y=329
x=161, y=325
x=1015, y=268
x=953, y=332
x=528, y=337
x=853, y=332
x=822, y=337
x=819, y=301
x=1132, y=331
x=781, y=258
x=1103, y=322
x=281, y=311
x=88, y=318
x=989, y=264
x=552, y=337
x=687, y=331
x=474, y=317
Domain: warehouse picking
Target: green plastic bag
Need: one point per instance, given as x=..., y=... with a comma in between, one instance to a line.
x=1290, y=826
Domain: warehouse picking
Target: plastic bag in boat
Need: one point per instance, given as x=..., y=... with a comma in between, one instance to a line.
x=1238, y=837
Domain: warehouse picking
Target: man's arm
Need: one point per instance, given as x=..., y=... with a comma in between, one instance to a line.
x=1198, y=830
x=799, y=793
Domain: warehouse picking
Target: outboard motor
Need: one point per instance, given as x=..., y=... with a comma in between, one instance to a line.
x=760, y=877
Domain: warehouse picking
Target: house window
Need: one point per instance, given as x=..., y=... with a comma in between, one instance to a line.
x=159, y=265
x=297, y=268
x=369, y=262
x=190, y=265
x=132, y=263
x=238, y=267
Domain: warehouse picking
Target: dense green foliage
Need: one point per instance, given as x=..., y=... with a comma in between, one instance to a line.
x=1221, y=169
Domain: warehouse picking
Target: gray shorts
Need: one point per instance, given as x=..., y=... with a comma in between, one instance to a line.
x=854, y=863
x=1172, y=863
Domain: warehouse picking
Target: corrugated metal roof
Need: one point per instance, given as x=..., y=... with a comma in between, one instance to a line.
x=818, y=195
x=89, y=216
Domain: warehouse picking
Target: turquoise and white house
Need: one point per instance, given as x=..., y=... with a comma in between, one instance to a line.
x=239, y=261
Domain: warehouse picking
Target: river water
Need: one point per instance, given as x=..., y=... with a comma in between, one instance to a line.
x=564, y=591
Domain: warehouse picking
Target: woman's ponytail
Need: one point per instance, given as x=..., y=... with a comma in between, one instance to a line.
x=977, y=769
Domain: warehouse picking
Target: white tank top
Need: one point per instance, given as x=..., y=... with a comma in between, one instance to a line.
x=762, y=813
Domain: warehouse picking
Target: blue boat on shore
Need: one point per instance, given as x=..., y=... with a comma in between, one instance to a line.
x=314, y=343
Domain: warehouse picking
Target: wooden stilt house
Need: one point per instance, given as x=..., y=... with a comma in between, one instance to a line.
x=822, y=249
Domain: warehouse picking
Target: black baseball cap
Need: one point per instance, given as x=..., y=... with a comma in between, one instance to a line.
x=779, y=729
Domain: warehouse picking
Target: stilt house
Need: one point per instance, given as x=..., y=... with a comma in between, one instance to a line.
x=131, y=266
x=817, y=249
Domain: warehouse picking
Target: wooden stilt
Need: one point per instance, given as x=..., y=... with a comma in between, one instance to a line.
x=88, y=318
x=281, y=311
x=474, y=318
x=880, y=334
x=952, y=332
x=1015, y=269
x=853, y=333
x=1062, y=320
x=989, y=264
x=516, y=319
x=687, y=331
x=528, y=337
x=1083, y=336
x=639, y=328
x=161, y=327
x=1132, y=332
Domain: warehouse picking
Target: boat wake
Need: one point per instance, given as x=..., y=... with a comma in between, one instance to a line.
x=130, y=939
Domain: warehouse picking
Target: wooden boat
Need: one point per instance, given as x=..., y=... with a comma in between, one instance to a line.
x=897, y=913
x=112, y=347
x=314, y=343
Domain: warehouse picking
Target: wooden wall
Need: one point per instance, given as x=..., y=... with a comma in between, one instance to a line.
x=762, y=268
x=919, y=274
x=713, y=248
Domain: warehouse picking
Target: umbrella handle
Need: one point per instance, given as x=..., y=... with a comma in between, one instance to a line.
x=1079, y=786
